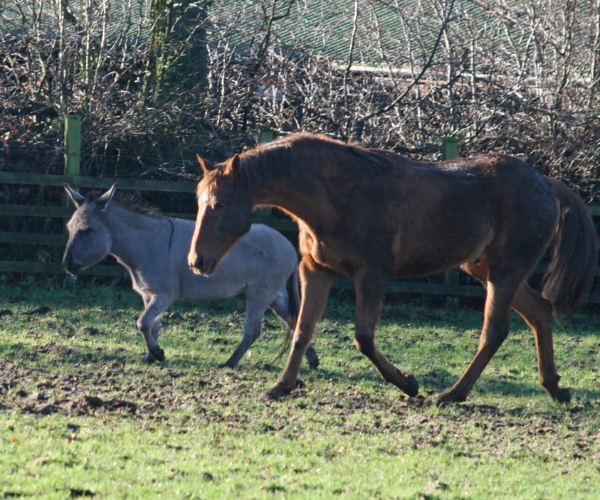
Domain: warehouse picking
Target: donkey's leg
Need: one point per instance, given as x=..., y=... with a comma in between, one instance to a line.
x=155, y=306
x=370, y=288
x=537, y=313
x=315, y=283
x=255, y=310
x=147, y=297
x=496, y=320
x=280, y=306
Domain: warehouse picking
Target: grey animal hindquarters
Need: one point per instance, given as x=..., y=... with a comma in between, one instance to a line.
x=153, y=248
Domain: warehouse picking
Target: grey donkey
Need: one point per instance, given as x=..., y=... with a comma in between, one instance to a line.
x=153, y=248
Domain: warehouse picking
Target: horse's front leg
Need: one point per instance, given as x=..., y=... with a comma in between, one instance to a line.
x=148, y=322
x=370, y=287
x=315, y=283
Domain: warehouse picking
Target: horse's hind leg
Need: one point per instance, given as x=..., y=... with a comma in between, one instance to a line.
x=537, y=313
x=500, y=296
x=280, y=306
x=370, y=288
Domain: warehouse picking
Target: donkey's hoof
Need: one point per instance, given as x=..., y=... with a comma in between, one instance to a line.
x=149, y=358
x=563, y=396
x=313, y=361
x=158, y=353
x=311, y=357
x=451, y=396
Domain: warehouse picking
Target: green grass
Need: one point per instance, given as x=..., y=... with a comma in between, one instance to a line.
x=81, y=415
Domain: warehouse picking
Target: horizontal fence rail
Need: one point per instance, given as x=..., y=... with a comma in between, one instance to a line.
x=116, y=271
x=98, y=182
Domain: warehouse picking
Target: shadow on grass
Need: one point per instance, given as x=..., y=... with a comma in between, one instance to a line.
x=51, y=356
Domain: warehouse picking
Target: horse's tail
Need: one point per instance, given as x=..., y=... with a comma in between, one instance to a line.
x=293, y=293
x=574, y=258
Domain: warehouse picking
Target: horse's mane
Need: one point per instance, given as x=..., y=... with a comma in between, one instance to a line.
x=275, y=159
x=270, y=161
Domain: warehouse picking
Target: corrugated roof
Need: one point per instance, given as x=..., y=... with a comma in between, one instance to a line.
x=125, y=19
x=321, y=27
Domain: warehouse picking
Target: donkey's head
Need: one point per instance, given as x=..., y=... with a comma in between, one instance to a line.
x=224, y=214
x=89, y=236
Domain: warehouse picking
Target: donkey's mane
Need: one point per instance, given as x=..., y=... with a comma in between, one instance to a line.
x=133, y=203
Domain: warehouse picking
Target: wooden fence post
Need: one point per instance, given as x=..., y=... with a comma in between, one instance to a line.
x=264, y=133
x=450, y=152
x=72, y=149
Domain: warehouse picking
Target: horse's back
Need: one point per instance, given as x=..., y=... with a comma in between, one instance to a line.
x=418, y=218
x=490, y=203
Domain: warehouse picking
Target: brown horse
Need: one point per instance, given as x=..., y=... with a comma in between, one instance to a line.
x=370, y=215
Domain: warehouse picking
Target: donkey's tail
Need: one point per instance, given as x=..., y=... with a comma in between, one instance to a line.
x=293, y=293
x=574, y=258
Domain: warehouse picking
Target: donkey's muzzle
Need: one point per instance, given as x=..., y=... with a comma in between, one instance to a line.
x=70, y=265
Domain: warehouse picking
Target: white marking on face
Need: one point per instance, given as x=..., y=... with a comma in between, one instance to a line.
x=206, y=199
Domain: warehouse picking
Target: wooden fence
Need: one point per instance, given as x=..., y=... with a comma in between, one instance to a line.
x=451, y=288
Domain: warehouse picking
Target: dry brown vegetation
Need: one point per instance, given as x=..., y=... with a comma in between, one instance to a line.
x=518, y=77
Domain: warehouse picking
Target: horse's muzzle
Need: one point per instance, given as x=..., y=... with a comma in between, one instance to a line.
x=203, y=266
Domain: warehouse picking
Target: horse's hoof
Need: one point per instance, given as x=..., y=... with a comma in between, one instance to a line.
x=149, y=358
x=450, y=397
x=229, y=365
x=275, y=393
x=411, y=386
x=562, y=396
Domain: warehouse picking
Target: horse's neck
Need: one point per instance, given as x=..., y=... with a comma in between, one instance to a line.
x=133, y=234
x=303, y=198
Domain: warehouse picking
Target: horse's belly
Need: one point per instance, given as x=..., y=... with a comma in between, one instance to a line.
x=437, y=258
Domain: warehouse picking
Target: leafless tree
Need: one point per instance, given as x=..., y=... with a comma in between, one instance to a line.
x=520, y=78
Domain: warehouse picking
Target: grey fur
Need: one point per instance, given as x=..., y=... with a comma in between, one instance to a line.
x=153, y=248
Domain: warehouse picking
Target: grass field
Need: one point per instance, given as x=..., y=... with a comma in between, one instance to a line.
x=82, y=416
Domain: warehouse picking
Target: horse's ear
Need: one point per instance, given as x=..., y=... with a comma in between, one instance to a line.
x=76, y=198
x=102, y=202
x=233, y=167
x=205, y=164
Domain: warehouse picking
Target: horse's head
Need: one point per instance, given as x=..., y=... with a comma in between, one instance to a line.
x=89, y=237
x=224, y=214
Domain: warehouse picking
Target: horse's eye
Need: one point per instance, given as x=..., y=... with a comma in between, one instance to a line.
x=87, y=230
x=219, y=205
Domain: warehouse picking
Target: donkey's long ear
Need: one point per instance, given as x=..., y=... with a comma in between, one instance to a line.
x=102, y=202
x=205, y=164
x=233, y=167
x=76, y=198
